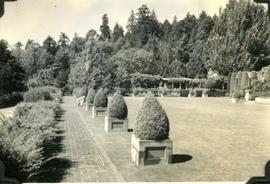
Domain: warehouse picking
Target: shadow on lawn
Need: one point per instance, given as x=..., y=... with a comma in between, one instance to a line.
x=178, y=158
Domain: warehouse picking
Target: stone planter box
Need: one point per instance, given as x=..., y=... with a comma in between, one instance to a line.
x=147, y=152
x=235, y=100
x=98, y=111
x=115, y=125
x=88, y=106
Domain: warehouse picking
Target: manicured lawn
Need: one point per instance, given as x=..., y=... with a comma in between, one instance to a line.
x=226, y=141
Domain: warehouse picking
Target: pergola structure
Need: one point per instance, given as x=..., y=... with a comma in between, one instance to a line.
x=2, y=10
x=181, y=82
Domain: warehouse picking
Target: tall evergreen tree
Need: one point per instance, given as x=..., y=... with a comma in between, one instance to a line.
x=104, y=28
x=118, y=32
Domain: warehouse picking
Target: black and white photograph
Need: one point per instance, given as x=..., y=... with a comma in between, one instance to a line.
x=135, y=91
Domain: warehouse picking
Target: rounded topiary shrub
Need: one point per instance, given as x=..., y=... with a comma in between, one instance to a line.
x=118, y=107
x=90, y=96
x=151, y=122
x=237, y=94
x=101, y=99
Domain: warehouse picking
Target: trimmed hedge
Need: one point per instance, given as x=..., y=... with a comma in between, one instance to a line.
x=151, y=122
x=118, y=107
x=184, y=92
x=198, y=92
x=90, y=96
x=42, y=93
x=79, y=92
x=217, y=93
x=9, y=100
x=26, y=137
x=145, y=81
x=101, y=99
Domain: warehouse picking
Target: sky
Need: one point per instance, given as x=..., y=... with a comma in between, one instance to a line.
x=36, y=19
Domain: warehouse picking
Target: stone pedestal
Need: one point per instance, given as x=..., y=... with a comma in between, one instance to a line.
x=247, y=96
x=98, y=111
x=115, y=125
x=204, y=95
x=88, y=106
x=147, y=152
x=190, y=95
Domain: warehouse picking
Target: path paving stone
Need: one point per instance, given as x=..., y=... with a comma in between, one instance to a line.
x=90, y=162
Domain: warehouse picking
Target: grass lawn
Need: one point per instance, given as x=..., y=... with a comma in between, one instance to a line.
x=226, y=141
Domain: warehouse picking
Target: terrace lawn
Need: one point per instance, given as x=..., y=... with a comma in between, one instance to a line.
x=214, y=140
x=226, y=141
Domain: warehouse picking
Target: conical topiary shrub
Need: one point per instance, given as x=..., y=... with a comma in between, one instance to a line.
x=118, y=107
x=100, y=99
x=151, y=122
x=90, y=98
x=100, y=104
x=150, y=143
x=116, y=118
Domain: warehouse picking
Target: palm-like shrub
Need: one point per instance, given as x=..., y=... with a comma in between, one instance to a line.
x=90, y=96
x=118, y=107
x=101, y=99
x=151, y=122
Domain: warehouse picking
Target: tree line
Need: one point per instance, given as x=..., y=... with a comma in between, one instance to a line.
x=194, y=47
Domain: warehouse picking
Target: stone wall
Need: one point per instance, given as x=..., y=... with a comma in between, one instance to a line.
x=241, y=80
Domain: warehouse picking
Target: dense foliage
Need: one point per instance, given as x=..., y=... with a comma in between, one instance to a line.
x=151, y=122
x=101, y=99
x=260, y=89
x=42, y=93
x=194, y=47
x=12, y=99
x=79, y=92
x=25, y=138
x=12, y=74
x=117, y=107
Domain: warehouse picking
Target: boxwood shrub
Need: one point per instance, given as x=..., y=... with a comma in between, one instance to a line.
x=237, y=95
x=42, y=93
x=184, y=92
x=117, y=107
x=79, y=92
x=26, y=137
x=101, y=99
x=198, y=92
x=90, y=96
x=151, y=122
x=217, y=93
